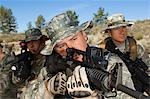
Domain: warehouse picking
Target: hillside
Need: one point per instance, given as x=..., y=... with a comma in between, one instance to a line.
x=140, y=30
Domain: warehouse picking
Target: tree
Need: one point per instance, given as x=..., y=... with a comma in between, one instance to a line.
x=29, y=25
x=100, y=17
x=7, y=20
x=74, y=17
x=40, y=22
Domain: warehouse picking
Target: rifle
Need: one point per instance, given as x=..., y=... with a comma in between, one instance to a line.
x=96, y=75
x=123, y=88
x=137, y=68
x=22, y=63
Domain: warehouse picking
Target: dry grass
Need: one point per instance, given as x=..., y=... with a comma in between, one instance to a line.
x=11, y=37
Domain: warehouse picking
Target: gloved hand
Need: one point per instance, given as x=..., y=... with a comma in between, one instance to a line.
x=57, y=84
x=78, y=84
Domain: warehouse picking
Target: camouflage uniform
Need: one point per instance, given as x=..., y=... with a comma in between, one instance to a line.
x=115, y=21
x=60, y=27
x=35, y=87
x=7, y=89
x=39, y=85
x=118, y=20
x=126, y=76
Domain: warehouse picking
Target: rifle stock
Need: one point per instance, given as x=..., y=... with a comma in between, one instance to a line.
x=131, y=92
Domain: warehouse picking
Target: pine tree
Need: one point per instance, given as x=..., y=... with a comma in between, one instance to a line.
x=74, y=17
x=100, y=17
x=7, y=21
x=40, y=22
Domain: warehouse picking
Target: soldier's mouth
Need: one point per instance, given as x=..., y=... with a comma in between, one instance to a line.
x=78, y=57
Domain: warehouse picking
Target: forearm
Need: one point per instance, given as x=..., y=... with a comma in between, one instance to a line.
x=36, y=90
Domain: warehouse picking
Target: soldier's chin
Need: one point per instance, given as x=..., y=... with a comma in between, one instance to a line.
x=34, y=52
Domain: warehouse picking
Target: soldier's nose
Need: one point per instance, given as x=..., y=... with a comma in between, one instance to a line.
x=69, y=45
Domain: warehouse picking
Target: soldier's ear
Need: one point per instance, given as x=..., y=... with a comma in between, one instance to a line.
x=109, y=32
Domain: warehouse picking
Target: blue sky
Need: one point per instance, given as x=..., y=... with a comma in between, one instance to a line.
x=28, y=10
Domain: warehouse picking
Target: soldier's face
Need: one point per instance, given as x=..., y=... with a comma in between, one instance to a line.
x=35, y=46
x=119, y=34
x=77, y=41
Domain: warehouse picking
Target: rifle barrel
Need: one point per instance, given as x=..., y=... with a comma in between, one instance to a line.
x=131, y=92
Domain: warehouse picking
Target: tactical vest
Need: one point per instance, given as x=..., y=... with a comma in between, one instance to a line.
x=132, y=46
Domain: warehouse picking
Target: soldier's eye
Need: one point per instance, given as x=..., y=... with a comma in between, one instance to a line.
x=74, y=38
x=61, y=46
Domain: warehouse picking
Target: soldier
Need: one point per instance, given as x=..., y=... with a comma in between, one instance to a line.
x=34, y=83
x=128, y=50
x=83, y=81
x=7, y=89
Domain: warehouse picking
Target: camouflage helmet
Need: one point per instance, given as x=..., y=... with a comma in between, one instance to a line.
x=61, y=26
x=34, y=34
x=117, y=20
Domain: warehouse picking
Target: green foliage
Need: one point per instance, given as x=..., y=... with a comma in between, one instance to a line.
x=7, y=21
x=100, y=17
x=40, y=22
x=74, y=17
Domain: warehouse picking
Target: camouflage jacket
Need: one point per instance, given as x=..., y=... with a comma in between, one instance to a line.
x=138, y=50
x=37, y=64
x=7, y=88
x=141, y=53
x=126, y=76
x=37, y=88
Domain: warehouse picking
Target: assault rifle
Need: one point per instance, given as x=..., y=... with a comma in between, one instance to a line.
x=22, y=63
x=137, y=68
x=101, y=73
x=97, y=74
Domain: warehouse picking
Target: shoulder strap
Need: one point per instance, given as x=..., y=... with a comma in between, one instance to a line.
x=132, y=48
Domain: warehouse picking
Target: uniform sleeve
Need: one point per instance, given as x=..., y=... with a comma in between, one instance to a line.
x=38, y=88
x=144, y=55
x=5, y=75
x=126, y=76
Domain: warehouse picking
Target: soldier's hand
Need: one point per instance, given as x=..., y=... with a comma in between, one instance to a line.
x=78, y=84
x=57, y=84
